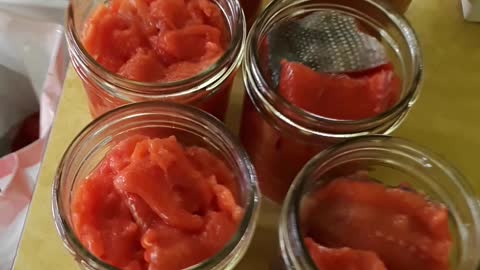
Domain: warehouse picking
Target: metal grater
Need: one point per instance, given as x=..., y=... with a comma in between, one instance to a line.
x=326, y=41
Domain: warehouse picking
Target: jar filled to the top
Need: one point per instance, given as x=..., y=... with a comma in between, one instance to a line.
x=177, y=51
x=157, y=186
x=321, y=71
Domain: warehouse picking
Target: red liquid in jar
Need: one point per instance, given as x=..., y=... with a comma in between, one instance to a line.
x=361, y=224
x=154, y=204
x=278, y=157
x=345, y=97
x=342, y=258
x=157, y=41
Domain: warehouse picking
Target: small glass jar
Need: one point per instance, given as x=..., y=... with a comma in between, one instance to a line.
x=393, y=162
x=155, y=119
x=279, y=137
x=209, y=90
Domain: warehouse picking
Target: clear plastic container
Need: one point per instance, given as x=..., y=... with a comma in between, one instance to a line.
x=280, y=137
x=209, y=90
x=393, y=162
x=155, y=119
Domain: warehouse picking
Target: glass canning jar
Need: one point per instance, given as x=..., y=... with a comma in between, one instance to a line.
x=393, y=162
x=209, y=90
x=280, y=137
x=191, y=127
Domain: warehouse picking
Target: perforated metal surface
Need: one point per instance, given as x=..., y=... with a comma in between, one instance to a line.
x=326, y=41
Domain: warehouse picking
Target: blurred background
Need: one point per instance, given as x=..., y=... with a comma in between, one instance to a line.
x=32, y=69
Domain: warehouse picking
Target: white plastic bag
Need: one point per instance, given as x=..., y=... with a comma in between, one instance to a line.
x=32, y=70
x=471, y=10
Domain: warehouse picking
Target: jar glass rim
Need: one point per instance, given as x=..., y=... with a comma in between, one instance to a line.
x=252, y=202
x=253, y=73
x=290, y=213
x=231, y=57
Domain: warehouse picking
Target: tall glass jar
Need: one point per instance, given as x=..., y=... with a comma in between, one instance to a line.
x=155, y=119
x=393, y=162
x=209, y=90
x=279, y=137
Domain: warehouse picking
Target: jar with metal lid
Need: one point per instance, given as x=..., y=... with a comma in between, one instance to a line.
x=298, y=47
x=426, y=196
x=131, y=45
x=192, y=129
